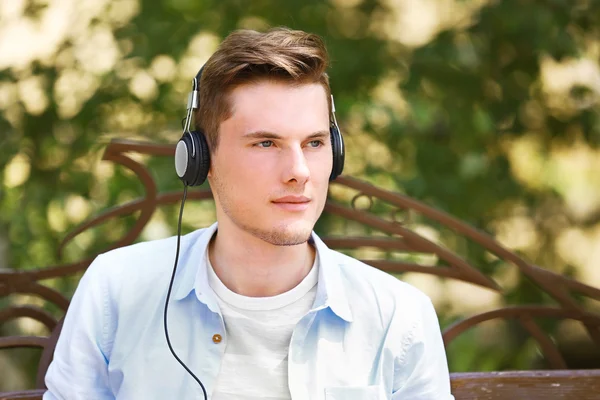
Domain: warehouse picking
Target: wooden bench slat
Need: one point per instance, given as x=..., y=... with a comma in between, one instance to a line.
x=511, y=385
x=23, y=395
x=530, y=385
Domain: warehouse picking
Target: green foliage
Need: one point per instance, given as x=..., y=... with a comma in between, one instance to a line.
x=466, y=95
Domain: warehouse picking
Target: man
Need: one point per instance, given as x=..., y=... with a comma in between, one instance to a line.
x=261, y=308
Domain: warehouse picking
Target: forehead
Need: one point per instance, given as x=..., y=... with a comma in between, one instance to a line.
x=279, y=107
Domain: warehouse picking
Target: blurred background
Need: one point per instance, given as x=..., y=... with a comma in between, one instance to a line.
x=488, y=110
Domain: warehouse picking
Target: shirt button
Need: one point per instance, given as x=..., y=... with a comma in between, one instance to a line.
x=217, y=338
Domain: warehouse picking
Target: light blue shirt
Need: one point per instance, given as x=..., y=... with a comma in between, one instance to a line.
x=367, y=336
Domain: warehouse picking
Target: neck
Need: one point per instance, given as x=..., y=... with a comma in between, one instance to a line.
x=249, y=266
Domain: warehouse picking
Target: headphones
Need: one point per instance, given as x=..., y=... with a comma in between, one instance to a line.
x=192, y=156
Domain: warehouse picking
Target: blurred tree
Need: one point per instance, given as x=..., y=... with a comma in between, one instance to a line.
x=488, y=110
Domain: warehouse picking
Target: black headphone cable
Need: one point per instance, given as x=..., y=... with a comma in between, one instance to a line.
x=169, y=294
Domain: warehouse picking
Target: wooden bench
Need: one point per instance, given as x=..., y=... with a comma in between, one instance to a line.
x=374, y=225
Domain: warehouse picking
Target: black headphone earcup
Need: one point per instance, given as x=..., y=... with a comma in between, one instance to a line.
x=337, y=147
x=203, y=159
x=192, y=158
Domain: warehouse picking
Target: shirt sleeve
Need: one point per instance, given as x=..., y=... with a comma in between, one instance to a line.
x=79, y=369
x=422, y=371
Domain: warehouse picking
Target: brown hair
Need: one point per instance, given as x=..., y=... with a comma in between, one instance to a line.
x=247, y=56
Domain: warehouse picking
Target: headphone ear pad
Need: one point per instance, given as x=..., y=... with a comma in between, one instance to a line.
x=337, y=147
x=202, y=162
x=192, y=158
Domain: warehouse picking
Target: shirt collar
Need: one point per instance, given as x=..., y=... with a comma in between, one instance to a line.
x=193, y=274
x=194, y=277
x=331, y=291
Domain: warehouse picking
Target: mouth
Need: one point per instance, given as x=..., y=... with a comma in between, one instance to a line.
x=292, y=203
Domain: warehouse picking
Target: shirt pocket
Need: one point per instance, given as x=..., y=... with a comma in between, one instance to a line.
x=353, y=393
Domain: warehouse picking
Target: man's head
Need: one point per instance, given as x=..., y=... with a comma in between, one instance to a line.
x=247, y=56
x=265, y=111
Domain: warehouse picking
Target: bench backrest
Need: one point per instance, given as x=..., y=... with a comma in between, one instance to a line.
x=375, y=225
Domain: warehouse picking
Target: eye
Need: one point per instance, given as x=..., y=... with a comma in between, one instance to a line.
x=315, y=143
x=265, y=144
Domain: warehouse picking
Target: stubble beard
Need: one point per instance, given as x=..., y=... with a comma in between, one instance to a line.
x=277, y=236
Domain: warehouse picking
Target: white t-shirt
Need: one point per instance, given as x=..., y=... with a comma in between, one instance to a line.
x=259, y=330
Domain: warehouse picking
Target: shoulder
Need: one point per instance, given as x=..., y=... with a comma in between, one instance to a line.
x=384, y=307
x=383, y=301
x=141, y=263
x=372, y=281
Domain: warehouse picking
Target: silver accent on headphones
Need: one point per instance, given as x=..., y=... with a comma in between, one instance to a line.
x=192, y=100
x=181, y=159
x=192, y=104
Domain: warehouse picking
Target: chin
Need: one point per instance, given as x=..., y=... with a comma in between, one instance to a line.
x=289, y=235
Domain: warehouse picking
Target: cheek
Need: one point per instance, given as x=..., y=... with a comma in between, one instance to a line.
x=235, y=164
x=321, y=166
x=247, y=176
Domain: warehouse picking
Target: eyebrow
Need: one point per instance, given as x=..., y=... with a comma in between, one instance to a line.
x=271, y=135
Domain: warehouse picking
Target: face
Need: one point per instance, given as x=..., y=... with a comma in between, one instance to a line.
x=270, y=172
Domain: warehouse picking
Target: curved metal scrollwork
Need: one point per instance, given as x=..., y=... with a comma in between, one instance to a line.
x=394, y=235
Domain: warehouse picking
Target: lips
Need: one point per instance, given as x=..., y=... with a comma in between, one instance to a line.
x=292, y=203
x=292, y=199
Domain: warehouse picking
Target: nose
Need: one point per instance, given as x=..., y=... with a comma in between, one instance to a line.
x=296, y=166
